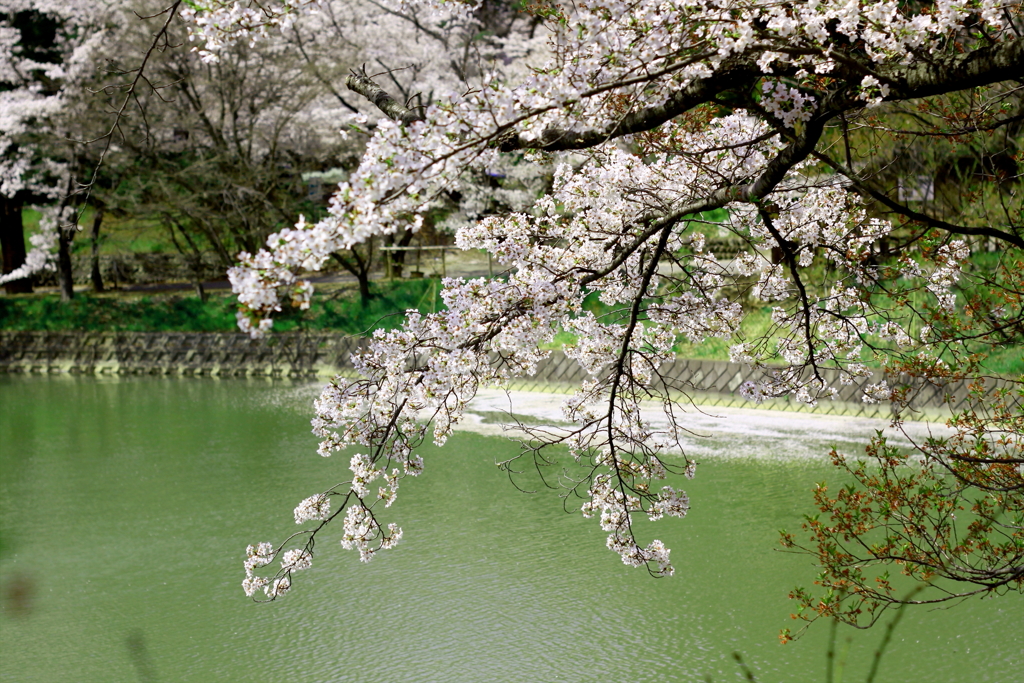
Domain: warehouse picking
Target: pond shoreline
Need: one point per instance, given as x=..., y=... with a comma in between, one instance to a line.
x=308, y=355
x=217, y=354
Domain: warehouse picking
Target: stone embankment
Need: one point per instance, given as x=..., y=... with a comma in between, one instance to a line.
x=175, y=353
x=308, y=355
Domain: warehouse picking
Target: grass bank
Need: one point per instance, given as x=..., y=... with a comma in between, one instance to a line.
x=334, y=308
x=337, y=309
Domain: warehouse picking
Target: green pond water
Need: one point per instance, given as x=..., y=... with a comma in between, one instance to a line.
x=126, y=505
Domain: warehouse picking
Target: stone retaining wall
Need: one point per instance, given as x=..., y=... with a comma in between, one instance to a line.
x=186, y=353
x=716, y=383
x=306, y=355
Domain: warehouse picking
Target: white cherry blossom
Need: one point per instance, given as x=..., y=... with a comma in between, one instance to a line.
x=648, y=115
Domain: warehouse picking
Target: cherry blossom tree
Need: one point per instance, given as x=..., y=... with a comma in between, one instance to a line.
x=52, y=60
x=219, y=155
x=433, y=55
x=215, y=151
x=31, y=42
x=653, y=115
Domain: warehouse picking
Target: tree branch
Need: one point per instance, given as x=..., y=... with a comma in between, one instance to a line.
x=944, y=74
x=360, y=83
x=732, y=74
x=903, y=210
x=1004, y=61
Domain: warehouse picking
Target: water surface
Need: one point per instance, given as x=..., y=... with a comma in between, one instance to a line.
x=125, y=507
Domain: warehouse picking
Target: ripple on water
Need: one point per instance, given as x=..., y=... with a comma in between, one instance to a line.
x=130, y=504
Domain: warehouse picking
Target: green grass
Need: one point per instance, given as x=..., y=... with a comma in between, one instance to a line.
x=336, y=310
x=339, y=310
x=117, y=235
x=1008, y=362
x=30, y=221
x=342, y=310
x=756, y=323
x=109, y=314
x=124, y=235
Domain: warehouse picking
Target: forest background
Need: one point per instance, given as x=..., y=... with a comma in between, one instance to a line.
x=195, y=162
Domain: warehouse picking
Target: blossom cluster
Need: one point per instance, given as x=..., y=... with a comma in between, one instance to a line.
x=949, y=259
x=316, y=507
x=219, y=23
x=261, y=555
x=789, y=105
x=624, y=217
x=35, y=96
x=361, y=532
x=616, y=511
x=873, y=393
x=44, y=243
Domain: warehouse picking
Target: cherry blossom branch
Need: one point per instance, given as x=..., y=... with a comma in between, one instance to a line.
x=727, y=107
x=360, y=83
x=1013, y=238
x=733, y=73
x=943, y=74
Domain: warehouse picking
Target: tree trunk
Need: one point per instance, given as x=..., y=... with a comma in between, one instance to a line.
x=200, y=290
x=361, y=270
x=364, y=287
x=398, y=256
x=12, y=243
x=96, y=276
x=194, y=258
x=65, y=279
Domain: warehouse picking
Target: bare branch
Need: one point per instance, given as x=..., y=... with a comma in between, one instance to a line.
x=360, y=83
